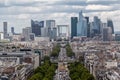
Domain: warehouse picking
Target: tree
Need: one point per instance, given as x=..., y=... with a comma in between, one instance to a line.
x=37, y=76
x=55, y=51
x=44, y=72
x=69, y=51
x=79, y=72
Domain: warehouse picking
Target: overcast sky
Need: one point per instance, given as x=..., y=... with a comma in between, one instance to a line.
x=18, y=13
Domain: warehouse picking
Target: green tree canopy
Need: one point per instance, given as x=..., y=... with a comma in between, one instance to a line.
x=79, y=72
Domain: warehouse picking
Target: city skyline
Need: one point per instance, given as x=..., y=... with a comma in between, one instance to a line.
x=18, y=14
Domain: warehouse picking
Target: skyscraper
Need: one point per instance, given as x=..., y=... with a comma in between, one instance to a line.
x=5, y=29
x=26, y=33
x=103, y=25
x=81, y=26
x=50, y=23
x=87, y=18
x=36, y=27
x=110, y=24
x=51, y=29
x=107, y=34
x=88, y=27
x=74, y=21
x=54, y=33
x=91, y=29
x=44, y=32
x=96, y=25
x=12, y=30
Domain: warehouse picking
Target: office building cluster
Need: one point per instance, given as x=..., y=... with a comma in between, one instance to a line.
x=82, y=27
x=49, y=29
x=46, y=28
x=5, y=35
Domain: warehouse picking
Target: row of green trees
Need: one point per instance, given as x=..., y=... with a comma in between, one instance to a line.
x=55, y=51
x=44, y=72
x=79, y=72
x=69, y=51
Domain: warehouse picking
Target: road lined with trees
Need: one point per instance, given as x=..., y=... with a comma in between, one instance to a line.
x=45, y=72
x=55, y=51
x=76, y=70
x=69, y=51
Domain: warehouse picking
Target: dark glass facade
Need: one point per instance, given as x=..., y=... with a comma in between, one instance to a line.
x=88, y=27
x=110, y=24
x=12, y=30
x=74, y=21
x=36, y=27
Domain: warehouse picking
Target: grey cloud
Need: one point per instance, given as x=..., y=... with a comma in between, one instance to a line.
x=85, y=2
x=45, y=10
x=2, y=4
x=104, y=2
x=24, y=3
x=36, y=3
x=57, y=6
x=70, y=2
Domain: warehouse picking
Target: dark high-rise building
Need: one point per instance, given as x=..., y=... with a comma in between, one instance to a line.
x=110, y=24
x=88, y=27
x=5, y=29
x=12, y=30
x=96, y=25
x=107, y=34
x=87, y=18
x=36, y=27
x=74, y=21
x=54, y=33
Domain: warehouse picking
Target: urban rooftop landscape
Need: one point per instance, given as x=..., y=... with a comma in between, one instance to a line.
x=59, y=40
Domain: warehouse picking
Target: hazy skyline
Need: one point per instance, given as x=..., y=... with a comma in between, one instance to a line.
x=18, y=13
